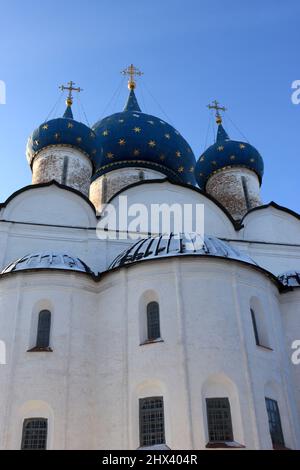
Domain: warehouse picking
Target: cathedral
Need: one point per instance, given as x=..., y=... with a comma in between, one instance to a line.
x=153, y=339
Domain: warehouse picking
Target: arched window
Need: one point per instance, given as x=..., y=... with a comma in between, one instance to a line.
x=152, y=421
x=259, y=329
x=34, y=436
x=153, y=328
x=43, y=330
x=219, y=420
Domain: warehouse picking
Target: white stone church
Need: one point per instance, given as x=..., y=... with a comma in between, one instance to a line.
x=168, y=341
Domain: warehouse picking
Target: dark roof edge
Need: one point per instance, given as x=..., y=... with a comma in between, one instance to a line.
x=237, y=225
x=45, y=185
x=99, y=276
x=275, y=206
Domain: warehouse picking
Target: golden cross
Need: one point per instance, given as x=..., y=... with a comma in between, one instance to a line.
x=70, y=88
x=215, y=105
x=132, y=71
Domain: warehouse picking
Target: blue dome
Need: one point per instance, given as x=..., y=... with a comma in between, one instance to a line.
x=226, y=153
x=62, y=131
x=133, y=138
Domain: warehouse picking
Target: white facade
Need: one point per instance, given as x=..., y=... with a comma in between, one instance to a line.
x=100, y=362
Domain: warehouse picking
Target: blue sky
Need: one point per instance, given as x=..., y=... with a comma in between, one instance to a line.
x=244, y=53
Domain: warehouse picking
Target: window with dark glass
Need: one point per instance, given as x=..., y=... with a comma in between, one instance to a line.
x=219, y=420
x=152, y=425
x=153, y=328
x=255, y=330
x=34, y=435
x=274, y=422
x=43, y=330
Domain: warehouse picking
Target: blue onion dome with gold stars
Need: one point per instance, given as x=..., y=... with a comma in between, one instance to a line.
x=63, y=131
x=226, y=153
x=132, y=138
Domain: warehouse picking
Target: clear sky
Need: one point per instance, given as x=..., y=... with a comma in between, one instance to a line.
x=243, y=53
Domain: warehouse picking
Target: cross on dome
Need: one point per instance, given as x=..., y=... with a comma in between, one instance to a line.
x=215, y=105
x=132, y=71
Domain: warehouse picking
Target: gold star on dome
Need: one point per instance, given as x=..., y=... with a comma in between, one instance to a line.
x=137, y=129
x=36, y=142
x=242, y=146
x=181, y=169
x=79, y=139
x=136, y=152
x=122, y=142
x=220, y=148
x=202, y=158
x=45, y=127
x=200, y=174
x=167, y=136
x=110, y=155
x=191, y=169
x=70, y=125
x=121, y=120
x=178, y=154
x=56, y=135
x=252, y=160
x=232, y=157
x=214, y=162
x=105, y=132
x=152, y=143
x=162, y=157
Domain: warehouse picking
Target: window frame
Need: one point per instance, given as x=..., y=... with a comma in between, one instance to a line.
x=277, y=422
x=43, y=332
x=153, y=324
x=156, y=437
x=27, y=421
x=213, y=421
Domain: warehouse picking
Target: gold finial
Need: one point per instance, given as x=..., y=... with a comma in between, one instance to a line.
x=132, y=71
x=70, y=88
x=215, y=105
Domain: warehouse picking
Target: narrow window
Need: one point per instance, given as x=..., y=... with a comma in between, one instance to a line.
x=219, y=420
x=153, y=328
x=152, y=425
x=65, y=170
x=43, y=330
x=255, y=327
x=34, y=435
x=274, y=422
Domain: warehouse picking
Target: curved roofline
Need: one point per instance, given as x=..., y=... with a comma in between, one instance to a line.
x=98, y=277
x=275, y=206
x=104, y=170
x=237, y=225
x=267, y=273
x=45, y=185
x=95, y=277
